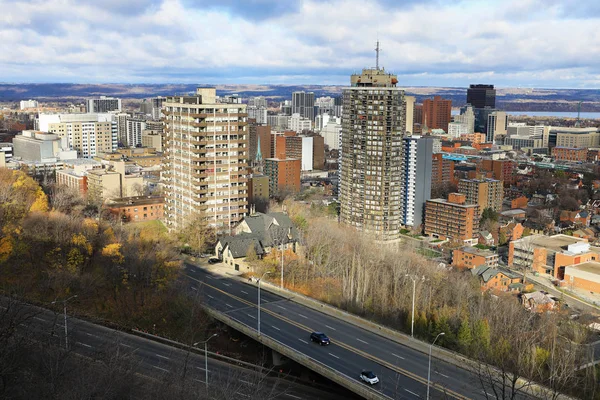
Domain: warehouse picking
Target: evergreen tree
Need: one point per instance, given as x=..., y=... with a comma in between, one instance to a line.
x=464, y=337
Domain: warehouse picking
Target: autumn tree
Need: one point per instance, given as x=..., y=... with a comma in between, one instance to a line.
x=197, y=235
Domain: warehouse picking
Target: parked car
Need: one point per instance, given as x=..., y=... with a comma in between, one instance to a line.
x=214, y=261
x=320, y=337
x=369, y=377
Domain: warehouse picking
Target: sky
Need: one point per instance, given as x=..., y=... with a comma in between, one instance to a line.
x=509, y=43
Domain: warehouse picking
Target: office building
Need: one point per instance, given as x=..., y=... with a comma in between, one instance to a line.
x=496, y=125
x=299, y=124
x=486, y=193
x=205, y=151
x=103, y=104
x=25, y=104
x=38, y=147
x=284, y=175
x=573, y=137
x=481, y=96
x=135, y=127
x=437, y=113
x=451, y=219
x=373, y=125
x=456, y=129
x=466, y=116
x=416, y=178
x=303, y=103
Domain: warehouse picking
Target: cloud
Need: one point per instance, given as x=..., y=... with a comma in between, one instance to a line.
x=437, y=42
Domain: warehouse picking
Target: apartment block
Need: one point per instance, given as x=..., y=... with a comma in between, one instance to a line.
x=570, y=154
x=137, y=208
x=373, y=126
x=502, y=170
x=318, y=156
x=284, y=175
x=473, y=257
x=152, y=139
x=486, y=193
x=451, y=219
x=103, y=104
x=135, y=127
x=205, y=152
x=442, y=170
x=437, y=113
x=72, y=179
x=416, y=178
x=258, y=188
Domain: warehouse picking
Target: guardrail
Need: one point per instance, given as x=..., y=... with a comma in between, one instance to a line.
x=351, y=383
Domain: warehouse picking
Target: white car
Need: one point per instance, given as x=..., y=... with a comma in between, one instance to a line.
x=369, y=377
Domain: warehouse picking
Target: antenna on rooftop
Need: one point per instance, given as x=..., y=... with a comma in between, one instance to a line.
x=377, y=49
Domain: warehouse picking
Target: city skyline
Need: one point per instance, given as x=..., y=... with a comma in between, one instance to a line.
x=430, y=43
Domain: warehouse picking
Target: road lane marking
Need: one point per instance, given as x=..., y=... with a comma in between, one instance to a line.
x=193, y=288
x=398, y=356
x=228, y=305
x=84, y=344
x=303, y=341
x=283, y=308
x=361, y=341
x=210, y=296
x=333, y=355
x=251, y=316
x=303, y=316
x=25, y=325
x=274, y=327
x=329, y=327
x=92, y=335
x=291, y=395
x=202, y=369
x=226, y=284
x=162, y=369
x=209, y=277
x=439, y=373
x=249, y=383
x=488, y=394
x=245, y=292
x=126, y=345
x=40, y=319
x=356, y=351
x=413, y=393
x=166, y=358
x=242, y=394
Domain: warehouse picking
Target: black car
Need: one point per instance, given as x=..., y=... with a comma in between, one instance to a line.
x=214, y=261
x=320, y=338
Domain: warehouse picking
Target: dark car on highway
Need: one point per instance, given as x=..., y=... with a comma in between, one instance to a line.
x=320, y=338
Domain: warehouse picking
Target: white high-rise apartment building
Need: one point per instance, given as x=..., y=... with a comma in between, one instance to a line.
x=88, y=133
x=258, y=101
x=25, y=104
x=455, y=129
x=416, y=178
x=205, y=160
x=103, y=104
x=135, y=127
x=259, y=113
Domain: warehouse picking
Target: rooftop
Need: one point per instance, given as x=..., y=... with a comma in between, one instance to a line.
x=590, y=266
x=556, y=243
x=516, y=211
x=445, y=201
x=479, y=252
x=137, y=201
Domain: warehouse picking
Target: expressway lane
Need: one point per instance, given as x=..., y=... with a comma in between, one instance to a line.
x=154, y=360
x=401, y=369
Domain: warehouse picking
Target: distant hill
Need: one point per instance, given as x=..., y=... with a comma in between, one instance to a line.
x=513, y=99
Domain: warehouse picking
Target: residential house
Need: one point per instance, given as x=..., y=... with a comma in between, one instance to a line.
x=498, y=278
x=260, y=232
x=575, y=217
x=511, y=231
x=539, y=302
x=486, y=238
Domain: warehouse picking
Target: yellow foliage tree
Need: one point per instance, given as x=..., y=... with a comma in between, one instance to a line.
x=41, y=201
x=80, y=240
x=6, y=248
x=113, y=251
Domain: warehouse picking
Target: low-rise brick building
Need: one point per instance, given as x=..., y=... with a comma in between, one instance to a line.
x=137, y=209
x=472, y=257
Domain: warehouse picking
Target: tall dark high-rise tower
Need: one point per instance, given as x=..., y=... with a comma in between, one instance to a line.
x=481, y=96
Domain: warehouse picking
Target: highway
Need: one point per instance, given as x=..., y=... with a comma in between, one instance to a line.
x=402, y=370
x=154, y=360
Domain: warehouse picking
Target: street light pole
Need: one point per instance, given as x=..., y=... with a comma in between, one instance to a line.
x=205, y=357
x=261, y=278
x=429, y=369
x=281, y=264
x=65, y=316
x=412, y=323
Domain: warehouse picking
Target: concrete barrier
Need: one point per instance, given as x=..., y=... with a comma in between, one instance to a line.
x=350, y=383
